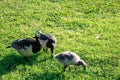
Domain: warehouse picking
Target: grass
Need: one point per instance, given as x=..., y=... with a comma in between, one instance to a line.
x=75, y=24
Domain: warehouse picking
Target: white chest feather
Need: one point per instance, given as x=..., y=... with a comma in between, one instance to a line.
x=43, y=43
x=26, y=52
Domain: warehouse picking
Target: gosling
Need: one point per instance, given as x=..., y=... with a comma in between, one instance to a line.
x=70, y=58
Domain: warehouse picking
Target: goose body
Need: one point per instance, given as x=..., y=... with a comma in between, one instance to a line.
x=46, y=41
x=26, y=47
x=70, y=58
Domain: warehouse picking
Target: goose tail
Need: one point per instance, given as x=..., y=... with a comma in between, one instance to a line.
x=8, y=47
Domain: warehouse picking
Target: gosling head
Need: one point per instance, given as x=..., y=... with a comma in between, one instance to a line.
x=82, y=63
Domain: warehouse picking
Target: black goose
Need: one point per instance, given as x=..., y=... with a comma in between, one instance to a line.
x=26, y=47
x=46, y=41
x=70, y=58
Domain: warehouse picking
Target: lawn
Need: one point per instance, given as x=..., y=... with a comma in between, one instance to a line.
x=75, y=24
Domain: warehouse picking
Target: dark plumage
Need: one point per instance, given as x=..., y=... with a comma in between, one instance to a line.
x=70, y=58
x=47, y=41
x=27, y=46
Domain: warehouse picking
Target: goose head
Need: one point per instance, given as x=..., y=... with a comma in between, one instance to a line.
x=38, y=33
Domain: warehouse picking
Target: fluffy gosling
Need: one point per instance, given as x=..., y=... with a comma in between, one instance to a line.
x=70, y=58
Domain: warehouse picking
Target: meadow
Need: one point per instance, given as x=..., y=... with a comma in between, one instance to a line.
x=75, y=24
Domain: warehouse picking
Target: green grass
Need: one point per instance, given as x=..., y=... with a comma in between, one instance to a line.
x=75, y=24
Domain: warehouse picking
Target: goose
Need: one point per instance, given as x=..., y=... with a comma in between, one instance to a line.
x=46, y=41
x=68, y=58
x=26, y=47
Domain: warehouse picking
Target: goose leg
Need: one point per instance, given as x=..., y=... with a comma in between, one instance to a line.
x=64, y=69
x=52, y=50
x=25, y=58
x=45, y=49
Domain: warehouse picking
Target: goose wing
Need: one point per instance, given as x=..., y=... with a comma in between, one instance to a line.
x=22, y=43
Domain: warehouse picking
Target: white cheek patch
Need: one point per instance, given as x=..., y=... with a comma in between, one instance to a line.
x=26, y=52
x=38, y=33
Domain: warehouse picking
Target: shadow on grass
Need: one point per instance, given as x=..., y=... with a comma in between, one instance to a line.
x=10, y=62
x=104, y=66
x=118, y=78
x=47, y=76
